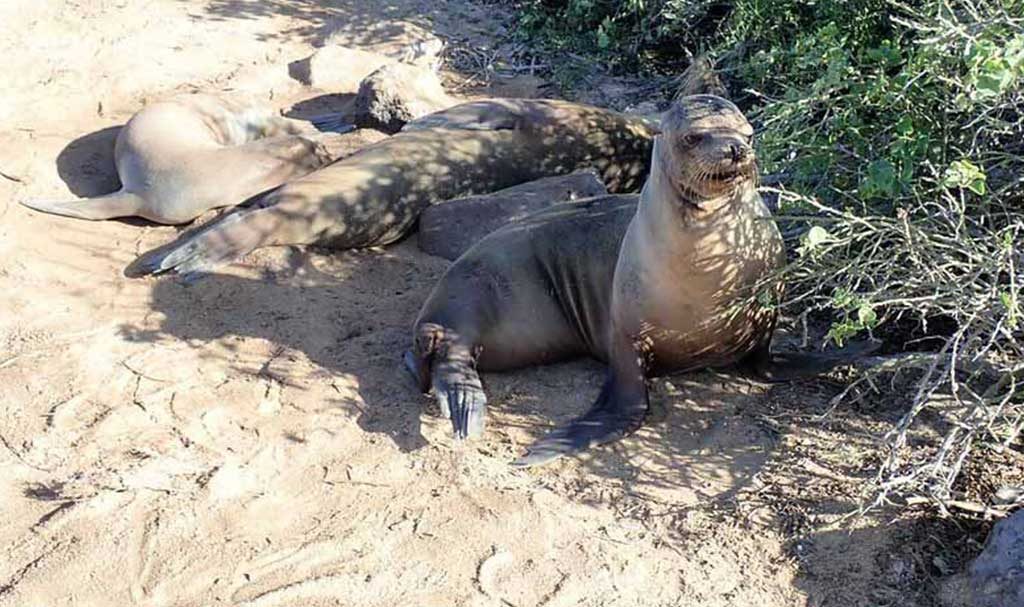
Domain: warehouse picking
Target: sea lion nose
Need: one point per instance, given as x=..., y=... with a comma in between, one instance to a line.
x=737, y=152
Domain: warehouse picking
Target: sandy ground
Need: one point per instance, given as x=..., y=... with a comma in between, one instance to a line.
x=251, y=439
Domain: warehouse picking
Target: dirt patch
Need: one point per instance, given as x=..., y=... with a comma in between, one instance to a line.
x=252, y=439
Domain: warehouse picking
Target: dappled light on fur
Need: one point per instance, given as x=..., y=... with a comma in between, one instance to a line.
x=375, y=196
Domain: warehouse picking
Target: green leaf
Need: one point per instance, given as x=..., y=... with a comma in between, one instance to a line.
x=905, y=126
x=1013, y=311
x=866, y=316
x=964, y=174
x=814, y=238
x=839, y=332
x=880, y=180
x=842, y=299
x=994, y=77
x=1013, y=53
x=817, y=235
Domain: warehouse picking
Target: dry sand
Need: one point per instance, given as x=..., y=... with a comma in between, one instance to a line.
x=251, y=439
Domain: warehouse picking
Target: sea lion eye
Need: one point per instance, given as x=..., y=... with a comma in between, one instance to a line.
x=693, y=139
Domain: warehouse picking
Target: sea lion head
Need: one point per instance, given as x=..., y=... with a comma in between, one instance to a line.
x=705, y=149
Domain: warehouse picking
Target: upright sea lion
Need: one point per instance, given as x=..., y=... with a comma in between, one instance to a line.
x=663, y=282
x=180, y=157
x=375, y=196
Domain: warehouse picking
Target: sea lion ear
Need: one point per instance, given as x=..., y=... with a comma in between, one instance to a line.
x=651, y=121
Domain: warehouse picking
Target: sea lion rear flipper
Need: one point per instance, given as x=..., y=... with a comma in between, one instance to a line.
x=199, y=251
x=117, y=204
x=616, y=413
x=791, y=366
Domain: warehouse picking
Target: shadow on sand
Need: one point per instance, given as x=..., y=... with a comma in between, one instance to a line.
x=351, y=314
x=86, y=164
x=906, y=562
x=364, y=21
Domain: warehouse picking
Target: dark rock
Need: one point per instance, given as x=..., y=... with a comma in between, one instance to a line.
x=398, y=93
x=996, y=577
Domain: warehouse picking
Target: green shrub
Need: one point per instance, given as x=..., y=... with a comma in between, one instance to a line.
x=905, y=144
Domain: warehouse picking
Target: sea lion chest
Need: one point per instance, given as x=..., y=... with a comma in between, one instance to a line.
x=684, y=290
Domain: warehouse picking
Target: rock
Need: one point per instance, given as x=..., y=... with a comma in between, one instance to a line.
x=397, y=93
x=336, y=68
x=397, y=40
x=347, y=57
x=449, y=229
x=996, y=577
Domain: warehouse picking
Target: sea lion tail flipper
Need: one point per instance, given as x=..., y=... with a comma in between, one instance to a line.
x=117, y=204
x=196, y=253
x=791, y=366
x=332, y=123
x=616, y=413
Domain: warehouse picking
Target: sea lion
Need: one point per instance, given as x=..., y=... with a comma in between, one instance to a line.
x=180, y=157
x=660, y=282
x=375, y=196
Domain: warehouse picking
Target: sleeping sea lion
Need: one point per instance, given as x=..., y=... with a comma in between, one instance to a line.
x=183, y=156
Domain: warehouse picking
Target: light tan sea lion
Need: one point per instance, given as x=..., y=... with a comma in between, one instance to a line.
x=375, y=196
x=186, y=155
x=659, y=283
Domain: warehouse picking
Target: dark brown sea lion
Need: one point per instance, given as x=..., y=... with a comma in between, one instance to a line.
x=663, y=282
x=183, y=156
x=375, y=196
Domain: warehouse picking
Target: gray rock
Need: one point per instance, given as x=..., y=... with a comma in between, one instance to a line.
x=338, y=69
x=996, y=577
x=398, y=93
x=399, y=40
x=340, y=65
x=449, y=229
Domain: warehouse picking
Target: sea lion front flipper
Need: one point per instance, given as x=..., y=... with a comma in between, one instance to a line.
x=617, y=412
x=791, y=366
x=445, y=364
x=460, y=395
